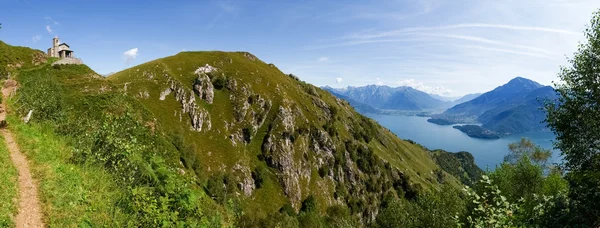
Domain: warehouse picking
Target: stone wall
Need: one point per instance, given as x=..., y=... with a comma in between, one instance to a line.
x=68, y=61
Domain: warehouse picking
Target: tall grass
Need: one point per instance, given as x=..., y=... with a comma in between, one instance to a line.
x=72, y=195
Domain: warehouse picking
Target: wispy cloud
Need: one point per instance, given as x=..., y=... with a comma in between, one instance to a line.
x=52, y=21
x=458, y=26
x=339, y=80
x=48, y=28
x=36, y=38
x=359, y=42
x=507, y=51
x=323, y=59
x=439, y=90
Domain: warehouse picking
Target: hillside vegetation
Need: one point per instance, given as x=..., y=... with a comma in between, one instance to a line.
x=207, y=139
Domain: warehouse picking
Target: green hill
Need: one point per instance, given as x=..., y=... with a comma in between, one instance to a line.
x=204, y=138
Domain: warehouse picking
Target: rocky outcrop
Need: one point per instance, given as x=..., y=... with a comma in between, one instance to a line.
x=280, y=153
x=245, y=180
x=323, y=146
x=163, y=94
x=199, y=118
x=203, y=86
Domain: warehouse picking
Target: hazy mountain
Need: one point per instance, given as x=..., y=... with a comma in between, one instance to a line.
x=394, y=98
x=466, y=98
x=443, y=98
x=498, y=97
x=359, y=106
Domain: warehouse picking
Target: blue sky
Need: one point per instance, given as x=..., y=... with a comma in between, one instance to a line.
x=439, y=46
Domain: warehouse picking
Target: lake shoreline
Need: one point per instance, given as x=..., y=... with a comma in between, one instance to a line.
x=488, y=153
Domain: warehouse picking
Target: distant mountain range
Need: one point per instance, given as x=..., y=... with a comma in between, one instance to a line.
x=374, y=98
x=514, y=107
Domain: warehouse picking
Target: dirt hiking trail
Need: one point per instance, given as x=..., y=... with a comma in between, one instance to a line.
x=29, y=212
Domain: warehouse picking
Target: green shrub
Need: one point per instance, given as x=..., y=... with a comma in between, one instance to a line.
x=259, y=174
x=219, y=81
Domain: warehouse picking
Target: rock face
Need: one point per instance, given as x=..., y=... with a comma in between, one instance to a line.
x=200, y=118
x=245, y=182
x=203, y=87
x=279, y=153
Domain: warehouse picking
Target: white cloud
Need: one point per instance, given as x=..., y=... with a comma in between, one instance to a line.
x=439, y=90
x=379, y=82
x=36, y=38
x=130, y=55
x=339, y=80
x=48, y=28
x=323, y=59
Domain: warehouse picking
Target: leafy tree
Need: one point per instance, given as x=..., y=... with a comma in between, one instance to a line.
x=574, y=119
x=489, y=207
x=525, y=172
x=434, y=209
x=525, y=147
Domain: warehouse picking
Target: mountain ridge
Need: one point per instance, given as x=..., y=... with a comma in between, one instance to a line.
x=514, y=107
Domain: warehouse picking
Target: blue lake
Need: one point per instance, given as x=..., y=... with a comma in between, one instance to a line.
x=487, y=153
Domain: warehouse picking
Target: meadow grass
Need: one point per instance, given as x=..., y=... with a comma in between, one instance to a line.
x=72, y=195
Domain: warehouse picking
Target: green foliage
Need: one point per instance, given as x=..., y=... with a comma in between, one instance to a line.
x=109, y=131
x=309, y=204
x=43, y=96
x=259, y=174
x=219, y=81
x=526, y=148
x=461, y=165
x=219, y=187
x=339, y=216
x=525, y=192
x=574, y=120
x=522, y=179
x=489, y=208
x=71, y=194
x=434, y=209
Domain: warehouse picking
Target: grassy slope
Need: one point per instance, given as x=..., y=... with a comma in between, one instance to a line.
x=13, y=58
x=216, y=153
x=89, y=96
x=262, y=79
x=8, y=187
x=72, y=195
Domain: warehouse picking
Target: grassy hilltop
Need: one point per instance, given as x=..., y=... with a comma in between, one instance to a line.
x=207, y=138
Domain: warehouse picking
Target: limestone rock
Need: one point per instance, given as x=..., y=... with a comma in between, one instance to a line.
x=164, y=94
x=246, y=184
x=204, y=88
x=205, y=69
